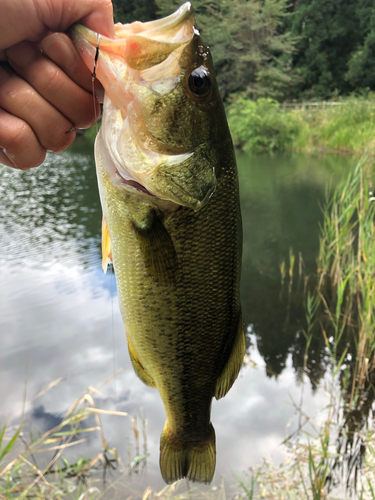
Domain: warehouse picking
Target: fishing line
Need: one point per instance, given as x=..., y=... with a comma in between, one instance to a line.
x=94, y=96
x=93, y=78
x=188, y=488
x=25, y=385
x=113, y=334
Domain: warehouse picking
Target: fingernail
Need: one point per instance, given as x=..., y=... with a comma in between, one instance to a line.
x=22, y=54
x=8, y=155
x=59, y=48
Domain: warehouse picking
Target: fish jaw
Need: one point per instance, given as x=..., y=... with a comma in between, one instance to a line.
x=137, y=69
x=153, y=175
x=136, y=48
x=128, y=191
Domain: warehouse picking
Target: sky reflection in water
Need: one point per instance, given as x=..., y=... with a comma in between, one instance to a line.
x=56, y=306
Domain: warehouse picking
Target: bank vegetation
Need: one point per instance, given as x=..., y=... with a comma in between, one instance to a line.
x=345, y=125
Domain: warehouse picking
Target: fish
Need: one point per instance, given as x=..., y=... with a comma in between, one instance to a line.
x=172, y=225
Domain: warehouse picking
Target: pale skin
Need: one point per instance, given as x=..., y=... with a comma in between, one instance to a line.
x=45, y=87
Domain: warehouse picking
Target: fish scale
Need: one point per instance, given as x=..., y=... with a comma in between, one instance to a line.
x=173, y=228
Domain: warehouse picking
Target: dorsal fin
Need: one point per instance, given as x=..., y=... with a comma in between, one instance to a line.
x=106, y=246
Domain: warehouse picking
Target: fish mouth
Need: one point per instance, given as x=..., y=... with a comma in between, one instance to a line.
x=136, y=185
x=177, y=196
x=143, y=59
x=139, y=52
x=167, y=29
x=161, y=186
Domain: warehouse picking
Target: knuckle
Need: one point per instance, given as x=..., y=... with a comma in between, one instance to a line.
x=106, y=5
x=18, y=136
x=54, y=134
x=53, y=82
x=16, y=94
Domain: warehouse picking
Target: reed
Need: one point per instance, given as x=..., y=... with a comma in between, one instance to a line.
x=22, y=477
x=346, y=264
x=340, y=299
x=340, y=305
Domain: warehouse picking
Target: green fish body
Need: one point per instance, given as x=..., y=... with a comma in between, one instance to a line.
x=173, y=230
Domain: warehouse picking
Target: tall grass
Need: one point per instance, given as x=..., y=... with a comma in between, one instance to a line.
x=346, y=292
x=22, y=476
x=347, y=260
x=265, y=125
x=349, y=127
x=340, y=306
x=340, y=299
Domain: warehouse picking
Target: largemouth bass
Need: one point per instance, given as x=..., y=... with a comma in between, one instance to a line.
x=172, y=224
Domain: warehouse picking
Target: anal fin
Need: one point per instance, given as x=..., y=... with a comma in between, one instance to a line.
x=139, y=370
x=106, y=246
x=232, y=368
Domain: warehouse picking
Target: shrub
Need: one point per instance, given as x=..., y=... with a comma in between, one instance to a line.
x=263, y=126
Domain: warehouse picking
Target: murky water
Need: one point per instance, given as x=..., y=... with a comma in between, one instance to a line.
x=59, y=315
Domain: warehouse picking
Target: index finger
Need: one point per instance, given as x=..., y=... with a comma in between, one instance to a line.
x=95, y=14
x=32, y=19
x=60, y=49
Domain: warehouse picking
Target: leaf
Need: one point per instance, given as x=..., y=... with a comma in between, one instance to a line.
x=11, y=443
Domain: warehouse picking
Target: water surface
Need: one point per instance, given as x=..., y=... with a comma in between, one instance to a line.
x=59, y=314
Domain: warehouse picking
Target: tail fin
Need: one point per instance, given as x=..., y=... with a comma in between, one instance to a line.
x=179, y=459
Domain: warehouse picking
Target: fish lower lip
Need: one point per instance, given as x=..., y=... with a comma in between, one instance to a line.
x=138, y=186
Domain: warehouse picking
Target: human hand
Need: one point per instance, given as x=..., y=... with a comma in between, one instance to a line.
x=45, y=87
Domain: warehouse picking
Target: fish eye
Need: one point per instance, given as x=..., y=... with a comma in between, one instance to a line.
x=200, y=82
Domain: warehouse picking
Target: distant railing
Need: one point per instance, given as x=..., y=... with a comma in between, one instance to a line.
x=322, y=104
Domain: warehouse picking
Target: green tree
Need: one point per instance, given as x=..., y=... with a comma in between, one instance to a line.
x=328, y=30
x=361, y=66
x=127, y=11
x=250, y=51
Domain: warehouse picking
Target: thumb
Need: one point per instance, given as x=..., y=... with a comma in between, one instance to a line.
x=101, y=20
x=97, y=15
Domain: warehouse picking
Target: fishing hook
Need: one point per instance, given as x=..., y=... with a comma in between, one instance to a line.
x=93, y=75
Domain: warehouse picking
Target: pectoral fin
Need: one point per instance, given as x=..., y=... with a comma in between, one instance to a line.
x=158, y=252
x=233, y=365
x=139, y=370
x=106, y=246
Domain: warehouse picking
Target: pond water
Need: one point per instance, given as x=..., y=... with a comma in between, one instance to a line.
x=59, y=315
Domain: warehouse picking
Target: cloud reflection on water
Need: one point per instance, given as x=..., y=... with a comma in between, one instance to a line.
x=56, y=308
x=57, y=316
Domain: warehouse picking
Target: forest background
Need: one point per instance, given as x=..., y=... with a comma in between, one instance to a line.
x=271, y=52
